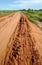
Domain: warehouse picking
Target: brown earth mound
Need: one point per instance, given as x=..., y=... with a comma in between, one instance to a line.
x=20, y=41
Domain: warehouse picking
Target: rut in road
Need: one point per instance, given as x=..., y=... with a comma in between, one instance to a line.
x=22, y=49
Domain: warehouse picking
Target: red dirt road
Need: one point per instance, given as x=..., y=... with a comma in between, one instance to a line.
x=20, y=41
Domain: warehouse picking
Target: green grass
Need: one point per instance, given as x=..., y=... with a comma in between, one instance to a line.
x=34, y=16
x=5, y=12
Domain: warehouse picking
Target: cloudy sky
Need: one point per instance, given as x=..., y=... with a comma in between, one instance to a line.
x=20, y=4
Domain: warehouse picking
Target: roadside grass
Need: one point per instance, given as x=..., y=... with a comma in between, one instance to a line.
x=5, y=12
x=34, y=16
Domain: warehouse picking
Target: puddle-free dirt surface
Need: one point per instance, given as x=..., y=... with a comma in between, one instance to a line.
x=20, y=41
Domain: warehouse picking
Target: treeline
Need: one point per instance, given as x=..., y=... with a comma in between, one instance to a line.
x=31, y=10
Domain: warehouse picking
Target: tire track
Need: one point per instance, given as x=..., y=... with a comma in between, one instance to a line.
x=22, y=48
x=5, y=35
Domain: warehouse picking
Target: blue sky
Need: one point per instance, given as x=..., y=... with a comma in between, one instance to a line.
x=20, y=4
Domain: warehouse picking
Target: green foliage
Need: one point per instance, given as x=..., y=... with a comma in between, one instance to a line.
x=34, y=15
x=5, y=12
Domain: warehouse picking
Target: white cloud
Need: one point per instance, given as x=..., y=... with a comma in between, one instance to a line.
x=36, y=1
x=25, y=3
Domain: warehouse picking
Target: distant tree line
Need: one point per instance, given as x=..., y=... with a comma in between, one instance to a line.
x=31, y=9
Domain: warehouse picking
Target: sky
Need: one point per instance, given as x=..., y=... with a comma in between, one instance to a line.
x=20, y=4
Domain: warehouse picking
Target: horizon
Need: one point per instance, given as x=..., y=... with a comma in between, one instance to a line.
x=20, y=4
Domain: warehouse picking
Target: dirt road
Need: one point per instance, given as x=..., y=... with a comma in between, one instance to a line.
x=20, y=41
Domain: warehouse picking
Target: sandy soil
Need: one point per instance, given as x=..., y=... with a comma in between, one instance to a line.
x=20, y=41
